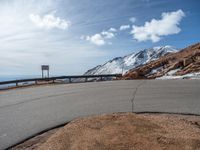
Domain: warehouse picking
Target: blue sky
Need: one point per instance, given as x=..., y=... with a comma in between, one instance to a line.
x=73, y=36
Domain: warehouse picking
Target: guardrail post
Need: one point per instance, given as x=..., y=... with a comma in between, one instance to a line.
x=86, y=79
x=70, y=80
x=35, y=81
x=16, y=83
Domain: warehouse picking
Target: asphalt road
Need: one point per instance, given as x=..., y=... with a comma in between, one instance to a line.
x=25, y=112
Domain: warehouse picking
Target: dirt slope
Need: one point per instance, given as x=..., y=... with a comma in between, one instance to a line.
x=128, y=132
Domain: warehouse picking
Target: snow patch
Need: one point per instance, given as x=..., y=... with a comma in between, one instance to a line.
x=186, y=76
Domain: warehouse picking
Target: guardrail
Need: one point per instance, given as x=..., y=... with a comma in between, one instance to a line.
x=53, y=79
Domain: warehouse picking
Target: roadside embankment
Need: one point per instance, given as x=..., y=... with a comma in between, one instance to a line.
x=125, y=131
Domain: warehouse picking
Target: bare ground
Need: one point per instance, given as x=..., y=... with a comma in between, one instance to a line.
x=123, y=131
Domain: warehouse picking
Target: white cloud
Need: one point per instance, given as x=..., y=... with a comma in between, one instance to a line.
x=49, y=21
x=124, y=27
x=155, y=29
x=99, y=39
x=107, y=35
x=132, y=19
x=112, y=30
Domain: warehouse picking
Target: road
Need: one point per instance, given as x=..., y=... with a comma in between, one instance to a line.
x=28, y=111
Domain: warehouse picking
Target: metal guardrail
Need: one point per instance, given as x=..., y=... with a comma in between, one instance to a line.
x=60, y=77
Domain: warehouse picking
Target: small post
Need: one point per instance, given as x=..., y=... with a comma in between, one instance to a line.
x=48, y=73
x=35, y=81
x=86, y=79
x=17, y=84
x=70, y=80
x=101, y=78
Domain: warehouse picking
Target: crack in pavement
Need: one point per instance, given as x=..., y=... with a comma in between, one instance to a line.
x=134, y=94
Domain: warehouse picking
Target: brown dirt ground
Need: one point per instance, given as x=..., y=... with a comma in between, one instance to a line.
x=126, y=131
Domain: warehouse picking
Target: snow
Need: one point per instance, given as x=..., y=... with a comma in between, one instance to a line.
x=189, y=75
x=131, y=61
x=172, y=72
x=156, y=70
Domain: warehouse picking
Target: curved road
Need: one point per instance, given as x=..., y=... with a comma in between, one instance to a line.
x=25, y=112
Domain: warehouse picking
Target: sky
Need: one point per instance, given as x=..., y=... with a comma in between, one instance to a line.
x=73, y=36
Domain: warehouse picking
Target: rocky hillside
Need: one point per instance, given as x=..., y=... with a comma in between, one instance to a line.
x=124, y=64
x=183, y=64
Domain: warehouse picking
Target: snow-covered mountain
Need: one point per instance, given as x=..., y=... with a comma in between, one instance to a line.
x=124, y=64
x=184, y=64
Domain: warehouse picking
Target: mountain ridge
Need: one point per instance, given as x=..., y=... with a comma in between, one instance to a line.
x=179, y=65
x=131, y=61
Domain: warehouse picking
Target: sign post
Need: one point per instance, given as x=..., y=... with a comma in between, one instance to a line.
x=45, y=68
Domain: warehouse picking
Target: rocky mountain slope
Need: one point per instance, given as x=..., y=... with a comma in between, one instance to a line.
x=124, y=64
x=183, y=64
